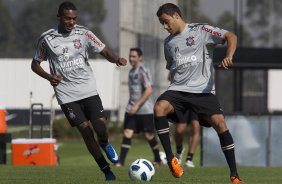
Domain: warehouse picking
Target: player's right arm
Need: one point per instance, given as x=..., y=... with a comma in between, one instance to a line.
x=53, y=79
x=41, y=55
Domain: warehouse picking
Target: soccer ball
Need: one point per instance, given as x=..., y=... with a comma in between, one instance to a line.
x=142, y=170
x=163, y=157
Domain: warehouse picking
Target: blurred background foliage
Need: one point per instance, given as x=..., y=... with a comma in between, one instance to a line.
x=22, y=22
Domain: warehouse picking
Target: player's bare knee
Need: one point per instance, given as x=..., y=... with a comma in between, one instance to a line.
x=196, y=128
x=179, y=131
x=149, y=135
x=82, y=126
x=220, y=126
x=103, y=119
x=128, y=133
x=158, y=110
x=180, y=128
x=161, y=108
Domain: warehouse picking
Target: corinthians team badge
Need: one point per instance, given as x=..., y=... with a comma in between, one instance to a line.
x=190, y=41
x=77, y=43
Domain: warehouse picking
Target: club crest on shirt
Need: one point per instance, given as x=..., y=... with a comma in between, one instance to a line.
x=77, y=43
x=135, y=77
x=71, y=114
x=190, y=41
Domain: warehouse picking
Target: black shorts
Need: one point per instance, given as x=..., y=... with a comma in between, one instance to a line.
x=139, y=122
x=87, y=109
x=201, y=103
x=187, y=117
x=179, y=117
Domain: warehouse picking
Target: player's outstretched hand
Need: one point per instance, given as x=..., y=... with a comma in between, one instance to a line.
x=225, y=63
x=55, y=80
x=121, y=62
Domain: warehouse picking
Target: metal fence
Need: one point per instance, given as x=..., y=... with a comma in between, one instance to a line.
x=258, y=141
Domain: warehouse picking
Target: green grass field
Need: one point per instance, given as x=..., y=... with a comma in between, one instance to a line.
x=77, y=166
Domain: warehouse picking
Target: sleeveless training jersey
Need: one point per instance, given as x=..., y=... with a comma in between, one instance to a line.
x=189, y=58
x=68, y=56
x=138, y=79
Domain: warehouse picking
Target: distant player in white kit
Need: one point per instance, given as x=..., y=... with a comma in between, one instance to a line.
x=189, y=52
x=66, y=48
x=139, y=116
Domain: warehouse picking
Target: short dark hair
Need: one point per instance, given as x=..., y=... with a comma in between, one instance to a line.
x=169, y=9
x=138, y=50
x=66, y=5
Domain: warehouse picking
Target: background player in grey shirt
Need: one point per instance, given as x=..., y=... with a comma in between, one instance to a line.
x=189, y=51
x=139, y=111
x=66, y=48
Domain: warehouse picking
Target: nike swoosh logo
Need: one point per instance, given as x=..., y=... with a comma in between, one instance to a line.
x=101, y=110
x=11, y=116
x=116, y=157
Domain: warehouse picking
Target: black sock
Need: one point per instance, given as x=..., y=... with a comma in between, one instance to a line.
x=179, y=149
x=103, y=164
x=162, y=128
x=155, y=148
x=227, y=146
x=190, y=156
x=125, y=146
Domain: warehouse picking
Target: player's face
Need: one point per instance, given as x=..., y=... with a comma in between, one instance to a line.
x=134, y=59
x=170, y=23
x=68, y=20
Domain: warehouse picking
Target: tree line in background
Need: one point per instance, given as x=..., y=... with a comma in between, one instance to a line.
x=22, y=22
x=260, y=26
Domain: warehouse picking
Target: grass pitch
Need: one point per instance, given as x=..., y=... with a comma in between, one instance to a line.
x=77, y=167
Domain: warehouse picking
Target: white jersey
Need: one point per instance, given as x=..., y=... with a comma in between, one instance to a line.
x=68, y=56
x=138, y=80
x=189, y=58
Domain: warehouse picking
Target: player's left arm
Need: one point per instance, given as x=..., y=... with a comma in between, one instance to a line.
x=112, y=57
x=231, y=39
x=145, y=95
x=99, y=47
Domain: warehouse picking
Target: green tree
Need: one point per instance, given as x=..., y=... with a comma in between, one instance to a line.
x=39, y=16
x=264, y=17
x=7, y=31
x=191, y=12
x=227, y=21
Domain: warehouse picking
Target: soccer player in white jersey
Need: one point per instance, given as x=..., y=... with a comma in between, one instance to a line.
x=139, y=116
x=189, y=52
x=66, y=47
